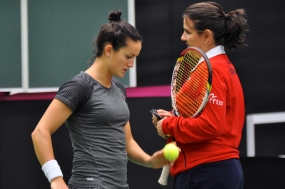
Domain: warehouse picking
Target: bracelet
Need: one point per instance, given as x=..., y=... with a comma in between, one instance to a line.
x=51, y=170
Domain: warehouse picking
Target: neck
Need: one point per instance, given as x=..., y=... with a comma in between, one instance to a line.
x=99, y=72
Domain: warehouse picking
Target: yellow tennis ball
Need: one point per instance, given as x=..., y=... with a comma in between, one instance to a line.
x=171, y=152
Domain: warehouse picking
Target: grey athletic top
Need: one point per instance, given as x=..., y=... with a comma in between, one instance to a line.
x=96, y=128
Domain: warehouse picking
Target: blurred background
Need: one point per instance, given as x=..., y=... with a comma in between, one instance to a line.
x=59, y=35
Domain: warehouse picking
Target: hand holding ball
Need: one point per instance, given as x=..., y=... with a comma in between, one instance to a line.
x=171, y=152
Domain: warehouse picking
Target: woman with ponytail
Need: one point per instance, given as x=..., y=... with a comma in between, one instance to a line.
x=93, y=106
x=209, y=157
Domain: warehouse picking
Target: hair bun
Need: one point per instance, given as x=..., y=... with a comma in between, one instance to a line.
x=114, y=16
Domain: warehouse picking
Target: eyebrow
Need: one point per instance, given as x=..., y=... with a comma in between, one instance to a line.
x=131, y=54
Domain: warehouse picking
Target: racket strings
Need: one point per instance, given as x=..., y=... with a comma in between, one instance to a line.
x=188, y=64
x=191, y=91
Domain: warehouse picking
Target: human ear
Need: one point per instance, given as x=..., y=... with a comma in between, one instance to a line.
x=208, y=35
x=108, y=49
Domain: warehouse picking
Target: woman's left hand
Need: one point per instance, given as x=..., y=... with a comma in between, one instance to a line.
x=157, y=160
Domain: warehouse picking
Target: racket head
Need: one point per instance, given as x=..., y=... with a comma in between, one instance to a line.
x=191, y=82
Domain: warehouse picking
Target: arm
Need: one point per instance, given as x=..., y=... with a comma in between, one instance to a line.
x=210, y=124
x=53, y=118
x=138, y=156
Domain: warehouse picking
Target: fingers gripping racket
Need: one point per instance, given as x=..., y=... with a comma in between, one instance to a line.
x=190, y=88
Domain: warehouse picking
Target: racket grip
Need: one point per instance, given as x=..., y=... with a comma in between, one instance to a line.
x=164, y=175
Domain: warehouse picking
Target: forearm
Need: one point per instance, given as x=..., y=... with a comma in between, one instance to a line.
x=53, y=118
x=42, y=145
x=137, y=155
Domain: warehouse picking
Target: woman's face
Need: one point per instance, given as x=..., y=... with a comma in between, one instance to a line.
x=191, y=36
x=123, y=59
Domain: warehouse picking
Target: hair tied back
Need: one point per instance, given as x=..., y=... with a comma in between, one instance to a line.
x=114, y=16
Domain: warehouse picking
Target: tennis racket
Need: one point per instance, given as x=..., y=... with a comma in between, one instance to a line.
x=190, y=88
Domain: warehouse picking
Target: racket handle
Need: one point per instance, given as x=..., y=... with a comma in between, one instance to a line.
x=164, y=175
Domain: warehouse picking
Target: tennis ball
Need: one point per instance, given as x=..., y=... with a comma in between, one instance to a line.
x=171, y=152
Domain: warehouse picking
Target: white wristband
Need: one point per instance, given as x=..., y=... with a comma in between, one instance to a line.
x=51, y=170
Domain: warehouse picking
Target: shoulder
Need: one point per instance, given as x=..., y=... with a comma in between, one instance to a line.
x=76, y=91
x=221, y=58
x=220, y=63
x=79, y=82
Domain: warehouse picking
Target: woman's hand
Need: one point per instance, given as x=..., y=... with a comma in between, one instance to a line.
x=157, y=160
x=158, y=123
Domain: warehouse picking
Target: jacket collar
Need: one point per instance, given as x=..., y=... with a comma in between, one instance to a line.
x=216, y=51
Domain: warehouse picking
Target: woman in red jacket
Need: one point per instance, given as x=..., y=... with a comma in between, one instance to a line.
x=209, y=143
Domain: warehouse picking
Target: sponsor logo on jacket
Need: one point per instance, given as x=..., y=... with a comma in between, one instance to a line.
x=215, y=100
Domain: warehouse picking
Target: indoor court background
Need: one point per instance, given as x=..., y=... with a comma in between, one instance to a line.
x=260, y=67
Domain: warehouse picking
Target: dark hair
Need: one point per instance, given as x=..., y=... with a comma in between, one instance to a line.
x=116, y=32
x=229, y=29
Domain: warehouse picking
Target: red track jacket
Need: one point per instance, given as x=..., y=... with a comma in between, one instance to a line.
x=215, y=135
